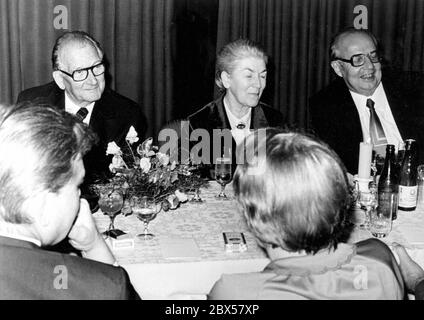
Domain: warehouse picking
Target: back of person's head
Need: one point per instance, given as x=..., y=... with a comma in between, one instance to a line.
x=334, y=49
x=78, y=37
x=293, y=192
x=234, y=51
x=38, y=144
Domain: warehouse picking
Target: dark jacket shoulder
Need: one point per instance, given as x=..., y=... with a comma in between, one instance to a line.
x=48, y=91
x=213, y=114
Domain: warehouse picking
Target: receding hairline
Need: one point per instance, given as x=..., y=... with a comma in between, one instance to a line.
x=76, y=43
x=335, y=45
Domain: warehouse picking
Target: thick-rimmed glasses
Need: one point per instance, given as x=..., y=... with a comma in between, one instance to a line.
x=358, y=60
x=82, y=74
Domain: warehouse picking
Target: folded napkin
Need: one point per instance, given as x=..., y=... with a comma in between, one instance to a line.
x=179, y=248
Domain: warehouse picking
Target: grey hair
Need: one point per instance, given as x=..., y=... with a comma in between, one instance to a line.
x=38, y=144
x=233, y=51
x=80, y=37
x=346, y=32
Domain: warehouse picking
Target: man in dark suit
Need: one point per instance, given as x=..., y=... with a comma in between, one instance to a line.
x=79, y=88
x=340, y=113
x=40, y=205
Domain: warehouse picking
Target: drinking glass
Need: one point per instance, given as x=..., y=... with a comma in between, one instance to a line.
x=111, y=202
x=381, y=217
x=196, y=197
x=368, y=202
x=146, y=209
x=223, y=174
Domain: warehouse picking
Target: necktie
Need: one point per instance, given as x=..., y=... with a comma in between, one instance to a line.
x=82, y=113
x=378, y=138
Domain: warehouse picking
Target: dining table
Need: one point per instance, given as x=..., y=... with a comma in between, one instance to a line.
x=188, y=254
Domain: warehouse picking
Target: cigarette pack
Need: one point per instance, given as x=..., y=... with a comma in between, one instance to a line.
x=234, y=242
x=124, y=241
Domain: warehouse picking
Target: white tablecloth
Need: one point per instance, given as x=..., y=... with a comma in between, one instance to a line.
x=156, y=275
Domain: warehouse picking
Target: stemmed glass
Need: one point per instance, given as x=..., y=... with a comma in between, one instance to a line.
x=196, y=197
x=368, y=202
x=111, y=202
x=223, y=174
x=146, y=209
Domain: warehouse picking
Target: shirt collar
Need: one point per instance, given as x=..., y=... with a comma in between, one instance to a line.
x=20, y=237
x=320, y=262
x=234, y=121
x=72, y=107
x=362, y=100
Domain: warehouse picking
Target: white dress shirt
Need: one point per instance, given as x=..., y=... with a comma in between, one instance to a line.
x=238, y=134
x=382, y=108
x=73, y=108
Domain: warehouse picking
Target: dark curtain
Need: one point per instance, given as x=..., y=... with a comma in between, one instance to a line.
x=195, y=47
x=296, y=34
x=162, y=52
x=135, y=34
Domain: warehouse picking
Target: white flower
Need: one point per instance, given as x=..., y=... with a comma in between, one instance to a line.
x=132, y=135
x=145, y=164
x=117, y=163
x=181, y=196
x=112, y=148
x=173, y=201
x=163, y=158
x=144, y=148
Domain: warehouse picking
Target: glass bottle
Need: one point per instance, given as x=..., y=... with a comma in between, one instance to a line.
x=388, y=185
x=408, y=178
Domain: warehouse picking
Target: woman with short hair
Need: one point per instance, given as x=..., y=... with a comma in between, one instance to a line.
x=294, y=194
x=241, y=75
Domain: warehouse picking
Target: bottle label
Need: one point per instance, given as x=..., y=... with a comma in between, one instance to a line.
x=408, y=196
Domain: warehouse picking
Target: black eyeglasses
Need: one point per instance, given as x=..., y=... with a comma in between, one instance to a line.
x=82, y=74
x=358, y=60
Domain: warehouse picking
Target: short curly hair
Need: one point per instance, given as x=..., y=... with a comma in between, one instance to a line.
x=294, y=194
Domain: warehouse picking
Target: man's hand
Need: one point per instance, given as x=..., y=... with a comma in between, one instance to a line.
x=412, y=273
x=83, y=234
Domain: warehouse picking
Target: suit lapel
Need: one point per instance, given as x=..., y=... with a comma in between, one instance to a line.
x=398, y=106
x=259, y=119
x=105, y=121
x=57, y=97
x=220, y=118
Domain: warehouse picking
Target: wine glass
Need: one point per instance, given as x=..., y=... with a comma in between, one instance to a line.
x=111, y=202
x=146, y=209
x=196, y=196
x=368, y=202
x=223, y=174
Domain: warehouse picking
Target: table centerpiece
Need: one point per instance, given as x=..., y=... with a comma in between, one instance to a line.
x=145, y=171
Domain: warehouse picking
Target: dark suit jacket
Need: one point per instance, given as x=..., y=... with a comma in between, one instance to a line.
x=335, y=119
x=29, y=272
x=213, y=116
x=419, y=291
x=111, y=119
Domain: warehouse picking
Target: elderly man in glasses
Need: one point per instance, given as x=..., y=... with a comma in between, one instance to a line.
x=362, y=104
x=79, y=88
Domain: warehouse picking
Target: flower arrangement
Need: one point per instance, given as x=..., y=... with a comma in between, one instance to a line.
x=148, y=172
